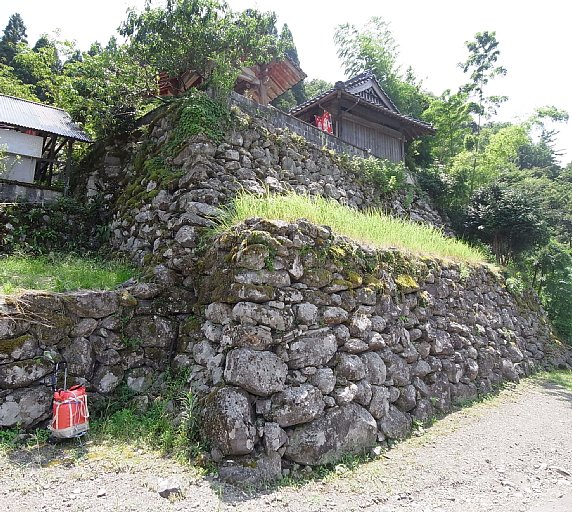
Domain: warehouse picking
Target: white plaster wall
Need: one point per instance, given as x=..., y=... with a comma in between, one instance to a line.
x=21, y=150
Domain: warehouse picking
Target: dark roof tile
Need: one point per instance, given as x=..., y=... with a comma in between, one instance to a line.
x=354, y=82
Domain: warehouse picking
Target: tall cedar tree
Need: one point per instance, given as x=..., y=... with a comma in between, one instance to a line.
x=14, y=34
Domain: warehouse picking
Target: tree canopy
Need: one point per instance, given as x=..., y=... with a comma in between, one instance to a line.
x=14, y=35
x=223, y=40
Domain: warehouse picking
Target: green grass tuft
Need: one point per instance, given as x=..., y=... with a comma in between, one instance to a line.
x=170, y=423
x=60, y=273
x=560, y=377
x=371, y=228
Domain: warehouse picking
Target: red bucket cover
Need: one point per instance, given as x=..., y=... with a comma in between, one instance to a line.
x=70, y=413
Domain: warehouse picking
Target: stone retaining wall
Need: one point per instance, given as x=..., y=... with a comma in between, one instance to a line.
x=164, y=224
x=303, y=346
x=314, y=347
x=312, y=134
x=125, y=337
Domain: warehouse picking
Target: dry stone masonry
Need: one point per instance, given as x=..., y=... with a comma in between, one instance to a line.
x=164, y=223
x=303, y=346
x=123, y=337
x=312, y=346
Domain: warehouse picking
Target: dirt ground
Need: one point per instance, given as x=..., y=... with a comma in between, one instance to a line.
x=511, y=453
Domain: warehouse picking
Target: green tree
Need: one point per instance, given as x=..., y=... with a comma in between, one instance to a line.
x=373, y=47
x=450, y=116
x=41, y=67
x=11, y=85
x=506, y=220
x=481, y=64
x=552, y=279
x=106, y=89
x=287, y=40
x=317, y=86
x=544, y=121
x=201, y=35
x=14, y=36
x=297, y=94
x=552, y=194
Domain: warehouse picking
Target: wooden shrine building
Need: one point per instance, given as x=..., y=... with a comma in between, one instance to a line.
x=261, y=83
x=363, y=115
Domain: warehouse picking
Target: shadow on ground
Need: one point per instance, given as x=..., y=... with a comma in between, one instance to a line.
x=64, y=453
x=557, y=390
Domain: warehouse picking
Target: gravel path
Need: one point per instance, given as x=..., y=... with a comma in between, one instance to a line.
x=510, y=453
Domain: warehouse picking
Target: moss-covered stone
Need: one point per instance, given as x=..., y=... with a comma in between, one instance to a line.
x=252, y=257
x=373, y=282
x=354, y=278
x=23, y=373
x=316, y=277
x=250, y=292
x=8, y=346
x=406, y=283
x=127, y=300
x=190, y=325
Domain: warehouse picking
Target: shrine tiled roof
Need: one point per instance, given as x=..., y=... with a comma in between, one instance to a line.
x=382, y=104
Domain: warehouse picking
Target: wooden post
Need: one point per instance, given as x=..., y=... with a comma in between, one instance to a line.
x=51, y=159
x=67, y=176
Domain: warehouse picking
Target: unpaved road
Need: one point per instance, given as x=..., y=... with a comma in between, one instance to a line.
x=510, y=453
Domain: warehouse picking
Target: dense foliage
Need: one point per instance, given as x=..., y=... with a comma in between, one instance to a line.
x=106, y=87
x=499, y=183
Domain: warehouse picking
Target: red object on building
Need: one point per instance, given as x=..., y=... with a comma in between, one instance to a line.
x=324, y=122
x=327, y=122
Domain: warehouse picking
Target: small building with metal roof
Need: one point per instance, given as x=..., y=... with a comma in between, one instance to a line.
x=36, y=142
x=362, y=114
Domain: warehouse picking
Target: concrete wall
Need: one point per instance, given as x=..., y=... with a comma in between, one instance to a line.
x=15, y=192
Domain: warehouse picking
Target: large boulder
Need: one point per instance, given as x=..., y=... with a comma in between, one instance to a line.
x=296, y=405
x=342, y=430
x=259, y=372
x=313, y=349
x=140, y=380
x=23, y=373
x=350, y=367
x=255, y=337
x=25, y=407
x=252, y=313
x=107, y=378
x=375, y=370
x=151, y=331
x=395, y=424
x=228, y=421
x=92, y=304
x=80, y=357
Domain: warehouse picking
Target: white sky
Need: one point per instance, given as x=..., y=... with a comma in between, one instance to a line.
x=534, y=39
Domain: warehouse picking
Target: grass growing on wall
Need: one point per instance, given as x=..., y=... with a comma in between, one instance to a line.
x=60, y=273
x=372, y=228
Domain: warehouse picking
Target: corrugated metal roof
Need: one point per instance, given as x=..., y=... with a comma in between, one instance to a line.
x=28, y=114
